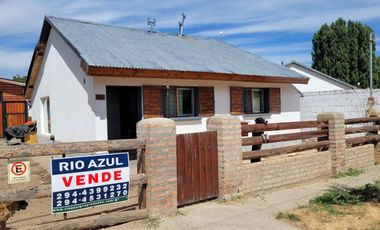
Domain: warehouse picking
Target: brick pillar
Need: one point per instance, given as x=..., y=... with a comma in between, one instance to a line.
x=229, y=154
x=337, y=139
x=160, y=165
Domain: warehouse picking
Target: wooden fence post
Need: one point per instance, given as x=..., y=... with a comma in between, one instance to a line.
x=160, y=165
x=229, y=154
x=336, y=126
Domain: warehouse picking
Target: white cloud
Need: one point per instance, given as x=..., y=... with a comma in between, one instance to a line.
x=240, y=21
x=13, y=62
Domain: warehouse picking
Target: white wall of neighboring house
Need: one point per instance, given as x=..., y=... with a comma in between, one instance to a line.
x=315, y=84
x=77, y=116
x=290, y=110
x=70, y=92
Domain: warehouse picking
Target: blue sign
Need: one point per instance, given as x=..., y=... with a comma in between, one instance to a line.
x=87, y=181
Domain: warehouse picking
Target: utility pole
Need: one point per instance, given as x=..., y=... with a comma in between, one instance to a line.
x=370, y=65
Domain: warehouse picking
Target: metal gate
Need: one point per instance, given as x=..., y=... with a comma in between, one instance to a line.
x=197, y=167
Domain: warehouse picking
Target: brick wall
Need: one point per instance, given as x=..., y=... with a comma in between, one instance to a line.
x=361, y=157
x=160, y=164
x=285, y=170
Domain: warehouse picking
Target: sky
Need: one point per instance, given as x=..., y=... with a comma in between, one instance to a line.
x=278, y=30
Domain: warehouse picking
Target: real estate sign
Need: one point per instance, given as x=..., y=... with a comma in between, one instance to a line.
x=87, y=181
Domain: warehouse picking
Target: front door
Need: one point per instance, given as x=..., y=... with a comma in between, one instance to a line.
x=123, y=111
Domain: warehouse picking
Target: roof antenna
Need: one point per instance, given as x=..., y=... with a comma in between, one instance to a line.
x=181, y=24
x=151, y=22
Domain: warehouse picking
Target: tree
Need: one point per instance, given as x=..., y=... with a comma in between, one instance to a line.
x=341, y=50
x=19, y=78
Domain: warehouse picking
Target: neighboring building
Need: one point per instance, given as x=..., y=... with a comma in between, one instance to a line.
x=89, y=81
x=13, y=108
x=318, y=80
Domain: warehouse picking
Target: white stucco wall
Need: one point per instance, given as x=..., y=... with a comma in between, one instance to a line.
x=70, y=92
x=352, y=103
x=289, y=101
x=315, y=84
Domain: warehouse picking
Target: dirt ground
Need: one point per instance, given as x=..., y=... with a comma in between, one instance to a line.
x=365, y=216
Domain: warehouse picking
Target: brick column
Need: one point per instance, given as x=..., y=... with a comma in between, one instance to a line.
x=337, y=139
x=160, y=165
x=229, y=154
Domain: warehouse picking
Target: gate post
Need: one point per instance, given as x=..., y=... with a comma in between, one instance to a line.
x=229, y=154
x=337, y=140
x=160, y=165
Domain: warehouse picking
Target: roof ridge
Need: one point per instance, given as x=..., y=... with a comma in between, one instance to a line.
x=130, y=28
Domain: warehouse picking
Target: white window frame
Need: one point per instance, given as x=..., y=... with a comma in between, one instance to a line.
x=45, y=116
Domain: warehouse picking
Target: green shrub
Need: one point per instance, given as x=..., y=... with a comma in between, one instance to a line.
x=349, y=172
x=348, y=196
x=288, y=216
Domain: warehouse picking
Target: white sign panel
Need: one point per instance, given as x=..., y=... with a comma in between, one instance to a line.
x=87, y=181
x=18, y=172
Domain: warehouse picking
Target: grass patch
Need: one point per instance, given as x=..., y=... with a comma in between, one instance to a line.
x=349, y=172
x=339, y=208
x=288, y=216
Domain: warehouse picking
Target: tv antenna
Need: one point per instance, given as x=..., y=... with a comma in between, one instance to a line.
x=151, y=22
x=181, y=24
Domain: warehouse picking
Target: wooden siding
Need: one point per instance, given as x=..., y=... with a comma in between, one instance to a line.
x=206, y=101
x=274, y=100
x=12, y=92
x=152, y=101
x=237, y=100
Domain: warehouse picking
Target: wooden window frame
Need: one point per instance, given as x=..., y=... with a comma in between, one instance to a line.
x=194, y=101
x=264, y=104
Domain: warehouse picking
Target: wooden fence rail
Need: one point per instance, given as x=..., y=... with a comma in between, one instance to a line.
x=70, y=148
x=283, y=126
x=284, y=150
x=283, y=137
x=351, y=121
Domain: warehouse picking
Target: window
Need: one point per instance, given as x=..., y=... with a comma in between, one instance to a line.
x=179, y=102
x=255, y=100
x=46, y=125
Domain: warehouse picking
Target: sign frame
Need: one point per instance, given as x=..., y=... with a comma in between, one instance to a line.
x=89, y=180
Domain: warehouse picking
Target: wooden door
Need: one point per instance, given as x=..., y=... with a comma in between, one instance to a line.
x=197, y=167
x=15, y=113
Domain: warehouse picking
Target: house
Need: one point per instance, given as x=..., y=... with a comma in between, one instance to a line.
x=13, y=107
x=89, y=81
x=318, y=80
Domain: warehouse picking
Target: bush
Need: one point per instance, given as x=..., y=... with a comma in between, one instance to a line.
x=288, y=216
x=347, y=196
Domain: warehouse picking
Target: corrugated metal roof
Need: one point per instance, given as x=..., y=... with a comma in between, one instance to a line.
x=122, y=47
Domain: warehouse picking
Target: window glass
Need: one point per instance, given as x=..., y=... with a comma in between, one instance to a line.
x=257, y=100
x=170, y=102
x=247, y=101
x=185, y=101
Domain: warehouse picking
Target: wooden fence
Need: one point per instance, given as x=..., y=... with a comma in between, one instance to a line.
x=320, y=131
x=78, y=148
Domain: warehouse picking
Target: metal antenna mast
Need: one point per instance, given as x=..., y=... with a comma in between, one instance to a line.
x=181, y=24
x=151, y=22
x=370, y=64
